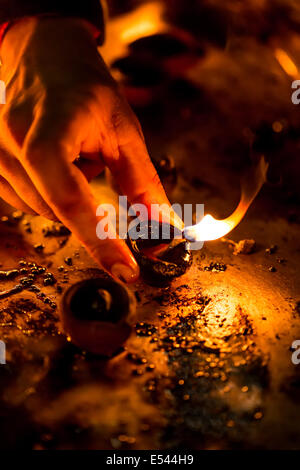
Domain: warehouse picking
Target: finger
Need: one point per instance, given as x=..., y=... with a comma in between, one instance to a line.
x=14, y=173
x=90, y=168
x=67, y=192
x=10, y=196
x=134, y=171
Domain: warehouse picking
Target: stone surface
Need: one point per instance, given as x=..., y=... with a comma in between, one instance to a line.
x=208, y=364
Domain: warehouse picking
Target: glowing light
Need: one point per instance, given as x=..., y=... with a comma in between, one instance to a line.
x=145, y=20
x=286, y=63
x=210, y=228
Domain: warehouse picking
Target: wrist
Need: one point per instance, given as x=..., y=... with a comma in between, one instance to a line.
x=56, y=30
x=29, y=25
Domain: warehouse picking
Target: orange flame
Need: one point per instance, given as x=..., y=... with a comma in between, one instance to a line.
x=210, y=228
x=286, y=63
x=145, y=20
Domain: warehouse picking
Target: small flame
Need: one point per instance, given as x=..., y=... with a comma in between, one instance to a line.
x=286, y=63
x=211, y=229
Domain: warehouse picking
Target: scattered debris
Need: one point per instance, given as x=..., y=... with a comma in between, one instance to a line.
x=27, y=226
x=14, y=290
x=271, y=250
x=215, y=267
x=243, y=247
x=204, y=349
x=12, y=219
x=32, y=272
x=68, y=261
x=49, y=279
x=145, y=329
x=39, y=247
x=56, y=229
x=11, y=274
x=25, y=316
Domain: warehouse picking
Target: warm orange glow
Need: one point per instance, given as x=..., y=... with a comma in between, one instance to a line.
x=286, y=63
x=211, y=229
x=145, y=20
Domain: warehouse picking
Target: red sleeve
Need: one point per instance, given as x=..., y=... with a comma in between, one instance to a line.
x=3, y=29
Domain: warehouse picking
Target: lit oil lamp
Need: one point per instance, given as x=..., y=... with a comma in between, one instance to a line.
x=95, y=312
x=163, y=258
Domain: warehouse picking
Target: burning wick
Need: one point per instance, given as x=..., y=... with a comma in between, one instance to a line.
x=210, y=228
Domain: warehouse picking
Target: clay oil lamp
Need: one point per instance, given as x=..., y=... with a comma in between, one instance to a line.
x=95, y=315
x=161, y=258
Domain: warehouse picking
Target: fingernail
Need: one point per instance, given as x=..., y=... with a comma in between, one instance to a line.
x=124, y=273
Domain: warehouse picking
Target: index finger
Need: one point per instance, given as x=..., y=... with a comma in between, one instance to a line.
x=68, y=193
x=134, y=171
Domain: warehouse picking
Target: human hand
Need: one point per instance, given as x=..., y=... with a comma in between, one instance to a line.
x=61, y=102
